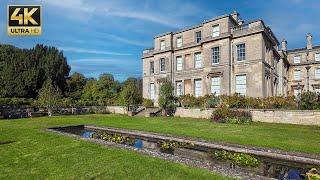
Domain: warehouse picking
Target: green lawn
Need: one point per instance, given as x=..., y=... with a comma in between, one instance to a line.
x=35, y=153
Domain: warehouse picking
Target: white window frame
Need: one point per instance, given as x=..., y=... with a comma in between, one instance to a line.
x=197, y=87
x=317, y=73
x=215, y=55
x=241, y=52
x=216, y=30
x=198, y=60
x=297, y=59
x=179, y=41
x=216, y=85
x=152, y=91
x=241, y=84
x=164, y=64
x=179, y=63
x=198, y=38
x=297, y=75
x=317, y=56
x=162, y=45
x=179, y=88
x=296, y=92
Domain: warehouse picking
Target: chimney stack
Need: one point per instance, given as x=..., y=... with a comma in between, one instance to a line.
x=235, y=15
x=284, y=45
x=309, y=41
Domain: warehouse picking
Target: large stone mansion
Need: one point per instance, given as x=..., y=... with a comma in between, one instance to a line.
x=224, y=55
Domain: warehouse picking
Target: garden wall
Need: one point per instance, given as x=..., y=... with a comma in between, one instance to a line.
x=302, y=117
x=116, y=109
x=193, y=112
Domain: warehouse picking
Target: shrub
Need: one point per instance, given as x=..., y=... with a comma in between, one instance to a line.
x=241, y=159
x=166, y=99
x=15, y=101
x=147, y=103
x=310, y=100
x=221, y=114
x=210, y=101
x=235, y=101
x=188, y=101
x=225, y=115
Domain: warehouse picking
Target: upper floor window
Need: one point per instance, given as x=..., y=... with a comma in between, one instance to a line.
x=241, y=52
x=162, y=45
x=297, y=75
x=215, y=31
x=317, y=73
x=215, y=55
x=179, y=42
x=297, y=59
x=198, y=37
x=241, y=84
x=151, y=67
x=317, y=57
x=179, y=63
x=162, y=64
x=179, y=90
x=197, y=60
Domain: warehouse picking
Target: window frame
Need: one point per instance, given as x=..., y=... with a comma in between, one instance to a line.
x=198, y=39
x=164, y=44
x=195, y=60
x=199, y=94
x=151, y=67
x=214, y=32
x=241, y=52
x=317, y=74
x=294, y=59
x=164, y=64
x=243, y=85
x=178, y=45
x=216, y=85
x=152, y=95
x=215, y=56
x=179, y=57
x=295, y=75
x=177, y=89
x=317, y=54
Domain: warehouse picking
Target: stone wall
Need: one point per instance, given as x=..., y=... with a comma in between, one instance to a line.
x=193, y=113
x=302, y=117
x=116, y=109
x=287, y=117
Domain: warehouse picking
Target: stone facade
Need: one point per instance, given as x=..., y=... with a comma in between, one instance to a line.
x=222, y=55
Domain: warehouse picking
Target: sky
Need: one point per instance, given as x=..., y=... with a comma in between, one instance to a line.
x=108, y=36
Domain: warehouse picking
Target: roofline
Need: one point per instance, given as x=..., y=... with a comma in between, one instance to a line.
x=197, y=26
x=303, y=49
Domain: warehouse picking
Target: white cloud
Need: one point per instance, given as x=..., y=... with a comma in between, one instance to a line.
x=80, y=50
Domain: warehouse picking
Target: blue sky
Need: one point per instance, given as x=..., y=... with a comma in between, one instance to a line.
x=108, y=36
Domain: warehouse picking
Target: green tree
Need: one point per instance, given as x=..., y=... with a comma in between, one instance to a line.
x=75, y=85
x=167, y=99
x=129, y=95
x=49, y=95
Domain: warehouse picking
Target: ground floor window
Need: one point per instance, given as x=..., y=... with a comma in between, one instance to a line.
x=197, y=88
x=241, y=84
x=296, y=92
x=152, y=92
x=215, y=85
x=317, y=90
x=179, y=90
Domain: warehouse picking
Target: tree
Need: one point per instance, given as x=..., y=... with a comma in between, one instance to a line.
x=25, y=70
x=49, y=95
x=167, y=99
x=129, y=95
x=75, y=85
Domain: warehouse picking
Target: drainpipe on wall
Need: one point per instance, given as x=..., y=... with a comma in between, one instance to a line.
x=230, y=66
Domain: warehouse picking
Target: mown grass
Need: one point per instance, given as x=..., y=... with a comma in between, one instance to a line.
x=27, y=151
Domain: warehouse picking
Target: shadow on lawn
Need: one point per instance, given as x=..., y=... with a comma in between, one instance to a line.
x=6, y=142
